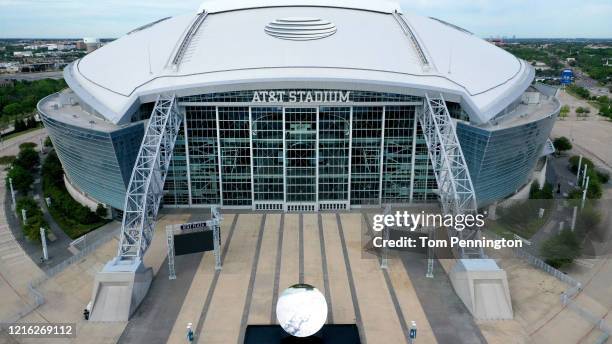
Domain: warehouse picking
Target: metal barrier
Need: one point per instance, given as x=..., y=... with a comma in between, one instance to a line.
x=567, y=297
x=542, y=265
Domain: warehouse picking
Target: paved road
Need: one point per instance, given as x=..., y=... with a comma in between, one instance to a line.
x=34, y=76
x=11, y=146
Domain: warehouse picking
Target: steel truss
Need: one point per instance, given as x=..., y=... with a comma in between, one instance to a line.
x=455, y=188
x=146, y=186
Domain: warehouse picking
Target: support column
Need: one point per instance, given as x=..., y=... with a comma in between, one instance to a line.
x=381, y=158
x=414, y=144
x=187, y=157
x=317, y=162
x=219, y=156
x=252, y=159
x=284, y=164
x=350, y=157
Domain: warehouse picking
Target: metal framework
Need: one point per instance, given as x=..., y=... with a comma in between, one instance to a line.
x=411, y=36
x=193, y=29
x=213, y=224
x=146, y=186
x=455, y=188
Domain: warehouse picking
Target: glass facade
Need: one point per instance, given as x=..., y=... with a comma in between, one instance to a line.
x=99, y=163
x=364, y=151
x=501, y=161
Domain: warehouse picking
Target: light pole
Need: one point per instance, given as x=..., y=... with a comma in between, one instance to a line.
x=24, y=217
x=43, y=240
x=584, y=193
x=12, y=193
x=578, y=170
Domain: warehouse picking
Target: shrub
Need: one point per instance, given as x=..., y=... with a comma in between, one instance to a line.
x=101, y=211
x=7, y=160
x=565, y=109
x=34, y=218
x=588, y=218
x=545, y=192
x=562, y=144
x=561, y=249
x=27, y=145
x=595, y=190
x=573, y=161
x=579, y=91
x=48, y=142
x=604, y=177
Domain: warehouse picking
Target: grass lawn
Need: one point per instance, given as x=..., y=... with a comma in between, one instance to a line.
x=507, y=231
x=72, y=228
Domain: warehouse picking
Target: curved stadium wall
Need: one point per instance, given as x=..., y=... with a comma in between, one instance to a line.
x=234, y=153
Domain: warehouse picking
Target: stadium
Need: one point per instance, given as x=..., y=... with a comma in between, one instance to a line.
x=301, y=106
x=296, y=106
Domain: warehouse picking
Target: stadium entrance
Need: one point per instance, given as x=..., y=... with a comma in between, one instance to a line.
x=299, y=150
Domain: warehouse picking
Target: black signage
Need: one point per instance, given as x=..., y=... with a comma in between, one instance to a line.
x=193, y=225
x=200, y=241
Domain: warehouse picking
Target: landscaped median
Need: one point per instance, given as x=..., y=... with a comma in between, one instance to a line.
x=22, y=171
x=74, y=218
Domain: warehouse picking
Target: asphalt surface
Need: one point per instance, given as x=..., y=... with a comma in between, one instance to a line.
x=34, y=76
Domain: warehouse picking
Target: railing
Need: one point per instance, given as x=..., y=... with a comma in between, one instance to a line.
x=568, y=296
x=36, y=296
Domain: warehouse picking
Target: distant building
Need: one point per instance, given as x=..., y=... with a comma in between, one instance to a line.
x=6, y=82
x=22, y=54
x=91, y=44
x=540, y=66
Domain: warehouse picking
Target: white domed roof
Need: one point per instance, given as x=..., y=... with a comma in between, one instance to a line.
x=228, y=46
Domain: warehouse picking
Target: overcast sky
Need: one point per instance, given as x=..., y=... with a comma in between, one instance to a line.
x=486, y=18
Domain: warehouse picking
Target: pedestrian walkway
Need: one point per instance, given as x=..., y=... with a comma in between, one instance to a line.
x=16, y=267
x=262, y=255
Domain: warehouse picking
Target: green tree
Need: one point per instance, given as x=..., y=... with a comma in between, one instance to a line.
x=562, y=144
x=11, y=110
x=561, y=249
x=22, y=179
x=27, y=145
x=28, y=158
x=101, y=211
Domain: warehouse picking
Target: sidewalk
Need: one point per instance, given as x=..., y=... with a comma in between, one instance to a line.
x=16, y=267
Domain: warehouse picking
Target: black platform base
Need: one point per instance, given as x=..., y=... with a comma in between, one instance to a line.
x=274, y=334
